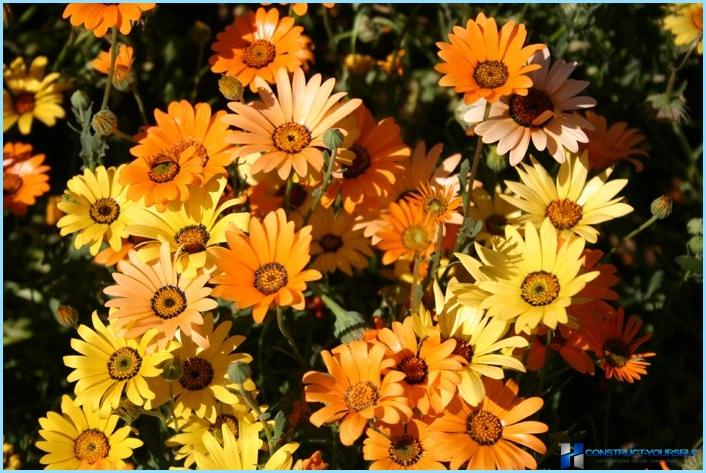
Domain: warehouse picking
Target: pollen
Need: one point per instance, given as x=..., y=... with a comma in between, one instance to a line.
x=124, y=364
x=105, y=210
x=540, y=288
x=192, y=238
x=168, y=302
x=291, y=137
x=259, y=54
x=525, y=110
x=198, y=374
x=415, y=238
x=405, y=450
x=491, y=74
x=564, y=213
x=163, y=170
x=270, y=278
x=484, y=428
x=91, y=445
x=414, y=368
x=361, y=395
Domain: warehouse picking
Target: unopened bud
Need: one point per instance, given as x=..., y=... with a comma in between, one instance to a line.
x=496, y=162
x=104, y=122
x=124, y=82
x=231, y=88
x=661, y=207
x=333, y=138
x=67, y=316
x=172, y=369
x=359, y=64
x=79, y=100
x=201, y=32
x=239, y=372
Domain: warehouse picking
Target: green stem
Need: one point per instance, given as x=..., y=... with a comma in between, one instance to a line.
x=632, y=234
x=140, y=105
x=62, y=54
x=256, y=409
x=288, y=193
x=324, y=186
x=437, y=257
x=171, y=406
x=283, y=329
x=414, y=299
x=675, y=70
x=113, y=55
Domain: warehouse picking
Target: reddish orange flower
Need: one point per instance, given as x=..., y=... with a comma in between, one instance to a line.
x=99, y=17
x=25, y=177
x=609, y=145
x=571, y=345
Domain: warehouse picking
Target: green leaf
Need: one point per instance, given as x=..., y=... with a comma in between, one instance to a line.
x=239, y=372
x=689, y=263
x=696, y=245
x=349, y=325
x=463, y=181
x=695, y=226
x=278, y=428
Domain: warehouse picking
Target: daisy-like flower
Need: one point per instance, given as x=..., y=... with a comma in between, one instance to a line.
x=430, y=366
x=122, y=72
x=572, y=204
x=100, y=17
x=192, y=229
x=288, y=127
x=258, y=45
x=204, y=381
x=613, y=341
x=148, y=296
x=187, y=146
x=493, y=211
x=544, y=115
x=314, y=462
x=482, y=62
x=370, y=158
x=268, y=195
x=354, y=391
x=265, y=267
x=592, y=298
x=96, y=207
x=534, y=284
x=609, y=144
x=490, y=436
x=571, y=345
x=29, y=94
x=300, y=9
x=406, y=232
x=109, y=366
x=25, y=177
x=335, y=245
x=440, y=203
x=686, y=22
x=82, y=438
x=400, y=447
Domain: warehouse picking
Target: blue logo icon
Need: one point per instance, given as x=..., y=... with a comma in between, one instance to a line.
x=571, y=455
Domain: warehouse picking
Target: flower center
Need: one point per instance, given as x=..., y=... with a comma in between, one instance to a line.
x=297, y=194
x=405, y=450
x=360, y=163
x=617, y=352
x=11, y=183
x=463, y=349
x=259, y=54
x=540, y=288
x=168, y=302
x=483, y=427
x=435, y=205
x=526, y=109
x=491, y=74
x=415, y=238
x=291, y=137
x=330, y=243
x=91, y=445
x=270, y=278
x=564, y=213
x=188, y=148
x=198, y=374
x=105, y=210
x=124, y=364
x=415, y=369
x=228, y=420
x=24, y=102
x=163, y=170
x=361, y=395
x=192, y=238
x=495, y=224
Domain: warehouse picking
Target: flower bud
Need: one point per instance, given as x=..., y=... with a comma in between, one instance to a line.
x=239, y=373
x=496, y=162
x=67, y=316
x=201, y=32
x=333, y=138
x=172, y=369
x=125, y=81
x=104, y=122
x=661, y=207
x=231, y=88
x=79, y=100
x=359, y=64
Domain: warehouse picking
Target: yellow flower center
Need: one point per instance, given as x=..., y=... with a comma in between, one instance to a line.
x=11, y=183
x=168, y=302
x=435, y=205
x=414, y=368
x=540, y=288
x=361, y=395
x=491, y=74
x=526, y=109
x=564, y=213
x=405, y=450
x=198, y=374
x=360, y=163
x=330, y=243
x=495, y=225
x=291, y=137
x=124, y=364
x=259, y=54
x=192, y=238
x=163, y=170
x=226, y=419
x=91, y=445
x=484, y=428
x=617, y=353
x=270, y=278
x=24, y=102
x=105, y=210
x=415, y=238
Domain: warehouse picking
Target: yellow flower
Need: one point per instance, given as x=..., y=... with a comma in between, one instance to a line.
x=334, y=243
x=686, y=24
x=30, y=94
x=82, y=438
x=108, y=366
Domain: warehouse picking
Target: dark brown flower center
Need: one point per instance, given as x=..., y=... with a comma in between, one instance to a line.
x=228, y=420
x=24, y=102
x=259, y=54
x=526, y=109
x=484, y=428
x=330, y=243
x=192, y=238
x=415, y=369
x=291, y=137
x=198, y=374
x=495, y=225
x=463, y=349
x=11, y=183
x=91, y=445
x=540, y=288
x=168, y=302
x=297, y=194
x=564, y=213
x=405, y=450
x=163, y=170
x=491, y=74
x=361, y=395
x=105, y=210
x=124, y=364
x=270, y=278
x=617, y=353
x=360, y=163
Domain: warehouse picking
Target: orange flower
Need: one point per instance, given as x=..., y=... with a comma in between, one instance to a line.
x=487, y=437
x=614, y=344
x=608, y=145
x=439, y=203
x=482, y=62
x=99, y=17
x=569, y=343
x=265, y=267
x=288, y=127
x=148, y=296
x=314, y=462
x=400, y=447
x=405, y=232
x=24, y=177
x=122, y=72
x=258, y=45
x=335, y=245
x=430, y=367
x=354, y=390
x=268, y=195
x=187, y=146
x=109, y=257
x=370, y=159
